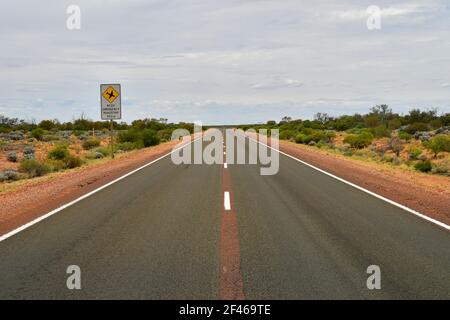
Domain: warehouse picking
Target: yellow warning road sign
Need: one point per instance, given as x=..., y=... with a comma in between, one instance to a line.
x=111, y=104
x=110, y=94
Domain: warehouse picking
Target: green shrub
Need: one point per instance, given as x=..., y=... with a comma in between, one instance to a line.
x=423, y=166
x=320, y=144
x=72, y=162
x=58, y=153
x=359, y=141
x=126, y=146
x=303, y=138
x=380, y=132
x=50, y=137
x=287, y=134
x=330, y=135
x=149, y=138
x=404, y=135
x=414, y=153
x=33, y=168
x=38, y=133
x=132, y=135
x=78, y=133
x=55, y=165
x=66, y=160
x=300, y=138
x=417, y=126
x=104, y=151
x=91, y=143
x=164, y=135
x=439, y=143
x=317, y=136
x=387, y=158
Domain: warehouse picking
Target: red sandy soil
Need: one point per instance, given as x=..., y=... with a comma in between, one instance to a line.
x=32, y=198
x=426, y=193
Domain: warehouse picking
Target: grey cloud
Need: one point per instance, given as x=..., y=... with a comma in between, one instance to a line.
x=223, y=61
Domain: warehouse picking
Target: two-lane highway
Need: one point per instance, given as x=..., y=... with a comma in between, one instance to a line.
x=163, y=233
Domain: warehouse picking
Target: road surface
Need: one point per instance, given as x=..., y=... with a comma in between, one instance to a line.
x=164, y=233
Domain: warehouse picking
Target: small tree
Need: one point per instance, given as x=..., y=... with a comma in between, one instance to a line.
x=396, y=145
x=286, y=119
x=438, y=144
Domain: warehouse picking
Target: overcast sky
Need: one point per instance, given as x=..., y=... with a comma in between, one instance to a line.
x=223, y=61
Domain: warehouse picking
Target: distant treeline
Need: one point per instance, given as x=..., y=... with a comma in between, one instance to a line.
x=82, y=124
x=380, y=116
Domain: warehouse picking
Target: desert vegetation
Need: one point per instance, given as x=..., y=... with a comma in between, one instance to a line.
x=30, y=149
x=418, y=140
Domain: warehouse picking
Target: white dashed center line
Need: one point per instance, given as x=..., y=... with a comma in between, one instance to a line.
x=226, y=201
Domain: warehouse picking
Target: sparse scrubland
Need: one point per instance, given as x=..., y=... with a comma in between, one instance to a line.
x=419, y=140
x=29, y=150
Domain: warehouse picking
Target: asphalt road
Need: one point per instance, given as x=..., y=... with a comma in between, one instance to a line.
x=161, y=233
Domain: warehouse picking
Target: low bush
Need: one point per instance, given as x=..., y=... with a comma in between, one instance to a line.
x=58, y=153
x=287, y=134
x=380, y=132
x=359, y=141
x=104, y=151
x=424, y=166
x=417, y=126
x=414, y=153
x=91, y=143
x=132, y=135
x=317, y=136
x=34, y=168
x=442, y=169
x=9, y=175
x=12, y=156
x=404, y=135
x=55, y=165
x=299, y=138
x=126, y=146
x=38, y=133
x=149, y=138
x=78, y=133
x=72, y=162
x=50, y=137
x=164, y=135
x=94, y=155
x=61, y=153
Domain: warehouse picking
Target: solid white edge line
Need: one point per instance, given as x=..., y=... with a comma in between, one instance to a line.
x=49, y=214
x=226, y=201
x=421, y=215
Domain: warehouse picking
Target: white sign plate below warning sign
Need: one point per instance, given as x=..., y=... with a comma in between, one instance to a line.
x=111, y=101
